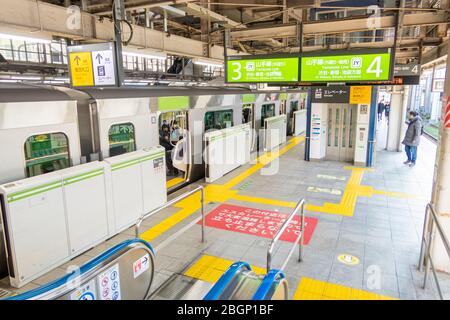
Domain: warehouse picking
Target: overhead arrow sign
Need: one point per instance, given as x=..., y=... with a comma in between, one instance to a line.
x=99, y=58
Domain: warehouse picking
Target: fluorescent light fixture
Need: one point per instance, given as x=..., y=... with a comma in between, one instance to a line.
x=174, y=10
x=208, y=63
x=26, y=78
x=146, y=54
x=23, y=38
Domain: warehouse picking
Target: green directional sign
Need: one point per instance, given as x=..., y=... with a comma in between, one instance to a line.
x=256, y=70
x=346, y=67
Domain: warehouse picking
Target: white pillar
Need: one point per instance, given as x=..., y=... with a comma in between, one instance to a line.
x=396, y=120
x=441, y=185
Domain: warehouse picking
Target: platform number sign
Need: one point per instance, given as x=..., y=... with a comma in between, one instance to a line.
x=346, y=67
x=262, y=70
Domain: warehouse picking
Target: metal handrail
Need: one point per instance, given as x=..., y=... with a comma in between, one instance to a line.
x=300, y=206
x=200, y=189
x=425, y=250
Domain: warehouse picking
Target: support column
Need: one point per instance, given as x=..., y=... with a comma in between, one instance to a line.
x=441, y=185
x=396, y=120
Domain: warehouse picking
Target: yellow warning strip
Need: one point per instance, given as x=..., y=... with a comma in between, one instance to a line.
x=173, y=182
x=216, y=193
x=310, y=289
x=210, y=269
x=272, y=202
x=262, y=161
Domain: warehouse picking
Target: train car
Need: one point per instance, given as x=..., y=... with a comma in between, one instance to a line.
x=58, y=127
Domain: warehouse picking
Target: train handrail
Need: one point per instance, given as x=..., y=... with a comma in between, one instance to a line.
x=425, y=249
x=300, y=239
x=170, y=203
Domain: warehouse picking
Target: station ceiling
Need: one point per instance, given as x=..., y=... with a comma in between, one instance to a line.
x=273, y=26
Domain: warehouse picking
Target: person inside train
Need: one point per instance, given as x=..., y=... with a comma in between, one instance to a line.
x=164, y=141
x=175, y=133
x=165, y=125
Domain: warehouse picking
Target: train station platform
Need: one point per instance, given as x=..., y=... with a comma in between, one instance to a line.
x=362, y=237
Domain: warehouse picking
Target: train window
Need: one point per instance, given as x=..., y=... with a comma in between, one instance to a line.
x=46, y=153
x=121, y=139
x=267, y=111
x=218, y=119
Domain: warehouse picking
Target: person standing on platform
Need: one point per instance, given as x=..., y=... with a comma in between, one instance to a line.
x=412, y=138
x=387, y=110
x=380, y=110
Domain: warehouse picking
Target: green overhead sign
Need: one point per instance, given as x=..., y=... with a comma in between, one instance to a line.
x=345, y=68
x=173, y=103
x=270, y=69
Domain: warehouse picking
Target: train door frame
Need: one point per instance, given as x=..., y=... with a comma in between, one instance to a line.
x=174, y=114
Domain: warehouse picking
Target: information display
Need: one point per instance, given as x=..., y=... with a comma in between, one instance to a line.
x=256, y=70
x=346, y=67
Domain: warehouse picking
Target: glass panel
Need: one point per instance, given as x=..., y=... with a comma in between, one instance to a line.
x=330, y=123
x=267, y=111
x=121, y=139
x=218, y=119
x=336, y=137
x=247, y=113
x=46, y=153
x=350, y=138
x=344, y=129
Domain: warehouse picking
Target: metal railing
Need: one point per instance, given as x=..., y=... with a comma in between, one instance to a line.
x=427, y=239
x=299, y=207
x=170, y=203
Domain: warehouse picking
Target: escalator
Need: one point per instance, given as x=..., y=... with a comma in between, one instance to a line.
x=126, y=272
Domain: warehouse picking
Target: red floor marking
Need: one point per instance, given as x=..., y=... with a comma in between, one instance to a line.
x=261, y=223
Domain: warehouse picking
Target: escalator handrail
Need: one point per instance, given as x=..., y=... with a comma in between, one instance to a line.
x=225, y=279
x=83, y=270
x=273, y=276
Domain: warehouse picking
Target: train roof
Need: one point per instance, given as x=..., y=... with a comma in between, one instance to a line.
x=19, y=92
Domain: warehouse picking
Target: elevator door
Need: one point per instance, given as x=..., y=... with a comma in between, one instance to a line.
x=341, y=132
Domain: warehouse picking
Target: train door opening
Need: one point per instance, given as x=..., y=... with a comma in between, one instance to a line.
x=282, y=107
x=248, y=116
x=267, y=111
x=294, y=106
x=341, y=132
x=173, y=136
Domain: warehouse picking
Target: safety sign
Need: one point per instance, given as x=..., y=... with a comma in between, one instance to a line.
x=109, y=284
x=261, y=223
x=103, y=65
x=141, y=265
x=85, y=292
x=348, y=259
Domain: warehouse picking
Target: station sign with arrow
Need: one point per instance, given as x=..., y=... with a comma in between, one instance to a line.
x=93, y=65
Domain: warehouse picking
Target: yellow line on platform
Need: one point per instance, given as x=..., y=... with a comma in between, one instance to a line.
x=217, y=193
x=210, y=269
x=310, y=289
x=173, y=182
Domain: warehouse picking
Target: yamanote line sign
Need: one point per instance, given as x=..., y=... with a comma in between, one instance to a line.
x=344, y=66
x=260, y=70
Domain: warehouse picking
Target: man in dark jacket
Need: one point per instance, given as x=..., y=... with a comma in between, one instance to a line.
x=380, y=110
x=412, y=138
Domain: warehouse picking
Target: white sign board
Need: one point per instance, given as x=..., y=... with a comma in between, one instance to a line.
x=141, y=265
x=109, y=284
x=103, y=67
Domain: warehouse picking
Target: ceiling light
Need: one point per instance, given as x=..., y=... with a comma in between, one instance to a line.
x=146, y=54
x=208, y=63
x=174, y=10
x=23, y=38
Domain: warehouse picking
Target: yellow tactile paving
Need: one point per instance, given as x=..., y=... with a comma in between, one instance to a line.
x=210, y=269
x=173, y=182
x=310, y=289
